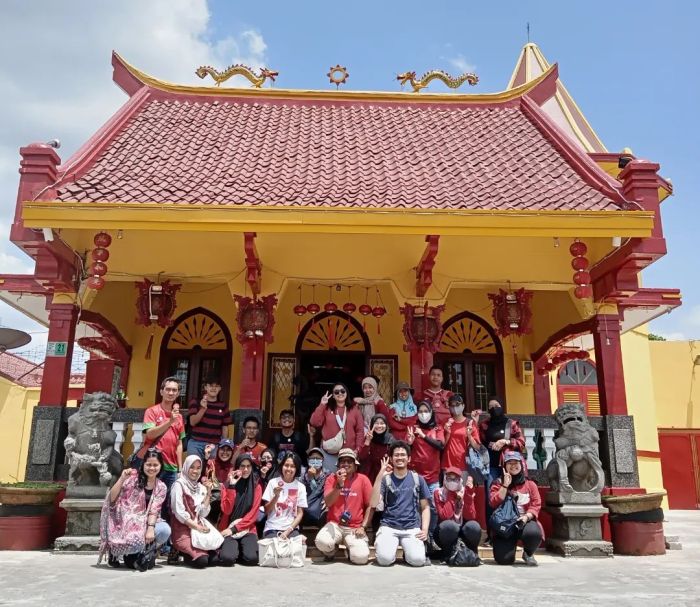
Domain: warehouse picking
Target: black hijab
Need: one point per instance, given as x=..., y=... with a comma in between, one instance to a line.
x=385, y=438
x=431, y=423
x=245, y=489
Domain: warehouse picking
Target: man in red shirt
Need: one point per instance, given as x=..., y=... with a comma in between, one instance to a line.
x=163, y=428
x=347, y=494
x=437, y=396
x=250, y=443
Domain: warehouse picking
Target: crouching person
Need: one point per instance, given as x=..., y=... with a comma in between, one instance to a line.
x=403, y=498
x=456, y=512
x=347, y=494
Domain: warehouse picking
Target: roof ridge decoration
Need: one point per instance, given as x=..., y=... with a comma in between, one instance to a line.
x=441, y=75
x=237, y=69
x=531, y=64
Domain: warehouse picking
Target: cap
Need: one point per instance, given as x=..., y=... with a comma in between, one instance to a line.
x=512, y=456
x=315, y=450
x=347, y=452
x=403, y=385
x=226, y=442
x=453, y=470
x=456, y=398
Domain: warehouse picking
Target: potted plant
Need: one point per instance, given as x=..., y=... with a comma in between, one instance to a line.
x=26, y=510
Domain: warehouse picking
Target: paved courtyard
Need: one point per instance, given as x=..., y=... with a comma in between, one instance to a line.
x=42, y=578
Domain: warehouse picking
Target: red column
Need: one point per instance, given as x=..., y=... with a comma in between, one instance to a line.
x=252, y=367
x=608, y=357
x=543, y=400
x=54, y=384
x=421, y=361
x=99, y=376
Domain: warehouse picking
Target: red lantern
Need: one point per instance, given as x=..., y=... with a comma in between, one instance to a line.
x=300, y=310
x=156, y=302
x=100, y=254
x=578, y=249
x=511, y=311
x=583, y=291
x=549, y=367
x=582, y=278
x=102, y=240
x=96, y=282
x=365, y=309
x=330, y=307
x=579, y=263
x=557, y=360
x=98, y=269
x=349, y=307
x=582, y=355
x=313, y=308
x=378, y=311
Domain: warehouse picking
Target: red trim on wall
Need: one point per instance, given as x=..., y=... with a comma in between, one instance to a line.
x=644, y=453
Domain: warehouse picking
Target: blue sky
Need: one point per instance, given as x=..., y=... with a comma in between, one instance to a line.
x=632, y=68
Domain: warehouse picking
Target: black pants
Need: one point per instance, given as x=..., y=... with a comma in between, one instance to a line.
x=448, y=532
x=504, y=550
x=244, y=549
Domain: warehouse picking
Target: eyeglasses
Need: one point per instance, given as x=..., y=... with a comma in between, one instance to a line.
x=341, y=391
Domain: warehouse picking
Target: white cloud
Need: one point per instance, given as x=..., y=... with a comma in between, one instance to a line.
x=460, y=62
x=58, y=81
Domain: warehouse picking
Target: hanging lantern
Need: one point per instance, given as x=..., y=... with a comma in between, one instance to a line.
x=421, y=327
x=255, y=317
x=155, y=302
x=583, y=291
x=96, y=282
x=549, y=367
x=313, y=308
x=98, y=268
x=330, y=307
x=582, y=355
x=300, y=310
x=349, y=307
x=102, y=240
x=578, y=248
x=582, y=278
x=100, y=254
x=365, y=309
x=378, y=311
x=557, y=360
x=511, y=311
x=579, y=263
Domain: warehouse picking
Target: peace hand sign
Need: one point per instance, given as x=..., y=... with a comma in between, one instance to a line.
x=325, y=398
x=410, y=436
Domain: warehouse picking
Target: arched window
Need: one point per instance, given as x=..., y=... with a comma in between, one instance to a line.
x=577, y=382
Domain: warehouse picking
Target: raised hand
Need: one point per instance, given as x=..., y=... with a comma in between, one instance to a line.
x=233, y=477
x=410, y=435
x=278, y=489
x=470, y=482
x=386, y=468
x=368, y=436
x=340, y=476
x=311, y=429
x=507, y=480
x=419, y=431
x=325, y=398
x=207, y=450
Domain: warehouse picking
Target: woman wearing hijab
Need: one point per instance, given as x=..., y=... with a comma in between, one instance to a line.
x=403, y=411
x=371, y=403
x=375, y=447
x=189, y=503
x=240, y=503
x=498, y=433
x=130, y=520
x=529, y=531
x=456, y=512
x=218, y=470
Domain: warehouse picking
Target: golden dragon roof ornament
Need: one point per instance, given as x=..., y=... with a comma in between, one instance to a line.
x=425, y=79
x=237, y=70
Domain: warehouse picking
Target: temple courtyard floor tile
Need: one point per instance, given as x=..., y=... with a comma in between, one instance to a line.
x=43, y=578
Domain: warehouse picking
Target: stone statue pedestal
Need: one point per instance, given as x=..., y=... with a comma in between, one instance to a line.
x=83, y=506
x=576, y=529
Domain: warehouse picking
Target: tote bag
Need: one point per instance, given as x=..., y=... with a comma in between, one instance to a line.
x=211, y=540
x=282, y=553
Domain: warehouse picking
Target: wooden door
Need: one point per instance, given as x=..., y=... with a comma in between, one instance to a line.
x=680, y=466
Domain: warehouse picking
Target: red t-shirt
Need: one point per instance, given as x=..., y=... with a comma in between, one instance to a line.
x=438, y=399
x=455, y=452
x=168, y=442
x=255, y=452
x=354, y=497
x=425, y=459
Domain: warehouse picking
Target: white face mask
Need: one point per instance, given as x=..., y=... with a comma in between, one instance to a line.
x=424, y=417
x=457, y=410
x=453, y=485
x=315, y=463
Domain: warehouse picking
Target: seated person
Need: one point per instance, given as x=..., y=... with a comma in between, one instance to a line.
x=289, y=439
x=314, y=479
x=240, y=503
x=347, y=494
x=403, y=498
x=250, y=443
x=217, y=471
x=514, y=481
x=456, y=512
x=130, y=521
x=285, y=500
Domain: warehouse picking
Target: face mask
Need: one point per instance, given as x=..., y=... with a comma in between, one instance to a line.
x=424, y=417
x=457, y=410
x=315, y=463
x=453, y=485
x=496, y=411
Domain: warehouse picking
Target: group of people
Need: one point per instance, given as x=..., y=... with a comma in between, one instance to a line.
x=401, y=472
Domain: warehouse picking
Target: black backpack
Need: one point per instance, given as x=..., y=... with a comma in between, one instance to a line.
x=504, y=520
x=462, y=556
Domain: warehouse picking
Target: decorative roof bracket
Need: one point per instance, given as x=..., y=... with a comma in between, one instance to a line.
x=252, y=262
x=424, y=270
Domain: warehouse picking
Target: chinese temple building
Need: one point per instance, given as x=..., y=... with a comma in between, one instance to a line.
x=289, y=239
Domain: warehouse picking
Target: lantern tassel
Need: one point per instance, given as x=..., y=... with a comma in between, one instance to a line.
x=149, y=348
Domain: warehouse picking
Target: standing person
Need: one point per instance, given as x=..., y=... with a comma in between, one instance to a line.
x=375, y=447
x=163, y=427
x=403, y=411
x=402, y=496
x=240, y=504
x=208, y=418
x=460, y=434
x=285, y=500
x=314, y=479
x=437, y=396
x=527, y=496
x=340, y=422
x=288, y=439
x=498, y=433
x=347, y=495
x=456, y=513
x=130, y=519
x=371, y=403
x=250, y=443
x=190, y=504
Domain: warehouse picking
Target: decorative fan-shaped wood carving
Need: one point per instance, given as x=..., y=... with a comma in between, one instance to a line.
x=467, y=335
x=198, y=330
x=333, y=332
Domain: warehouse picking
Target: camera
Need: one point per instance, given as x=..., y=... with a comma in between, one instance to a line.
x=345, y=517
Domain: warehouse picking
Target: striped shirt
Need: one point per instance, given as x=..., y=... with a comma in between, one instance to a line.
x=214, y=419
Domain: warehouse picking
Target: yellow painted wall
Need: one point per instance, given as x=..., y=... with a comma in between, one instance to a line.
x=676, y=383
x=16, y=407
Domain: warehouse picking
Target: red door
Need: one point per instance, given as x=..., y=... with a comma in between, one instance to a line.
x=680, y=466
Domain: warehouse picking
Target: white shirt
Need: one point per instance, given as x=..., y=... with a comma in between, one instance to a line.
x=292, y=496
x=177, y=503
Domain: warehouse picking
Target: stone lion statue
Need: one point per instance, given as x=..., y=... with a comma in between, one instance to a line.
x=576, y=466
x=90, y=443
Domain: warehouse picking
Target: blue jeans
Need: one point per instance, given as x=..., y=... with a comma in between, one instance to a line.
x=196, y=447
x=168, y=477
x=162, y=531
x=493, y=475
x=433, y=511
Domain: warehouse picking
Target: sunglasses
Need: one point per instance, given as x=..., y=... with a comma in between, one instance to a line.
x=153, y=451
x=341, y=391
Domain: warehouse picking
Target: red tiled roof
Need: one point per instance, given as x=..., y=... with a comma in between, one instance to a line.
x=28, y=374
x=310, y=152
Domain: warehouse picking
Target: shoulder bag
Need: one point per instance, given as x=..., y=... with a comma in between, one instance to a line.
x=282, y=553
x=504, y=520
